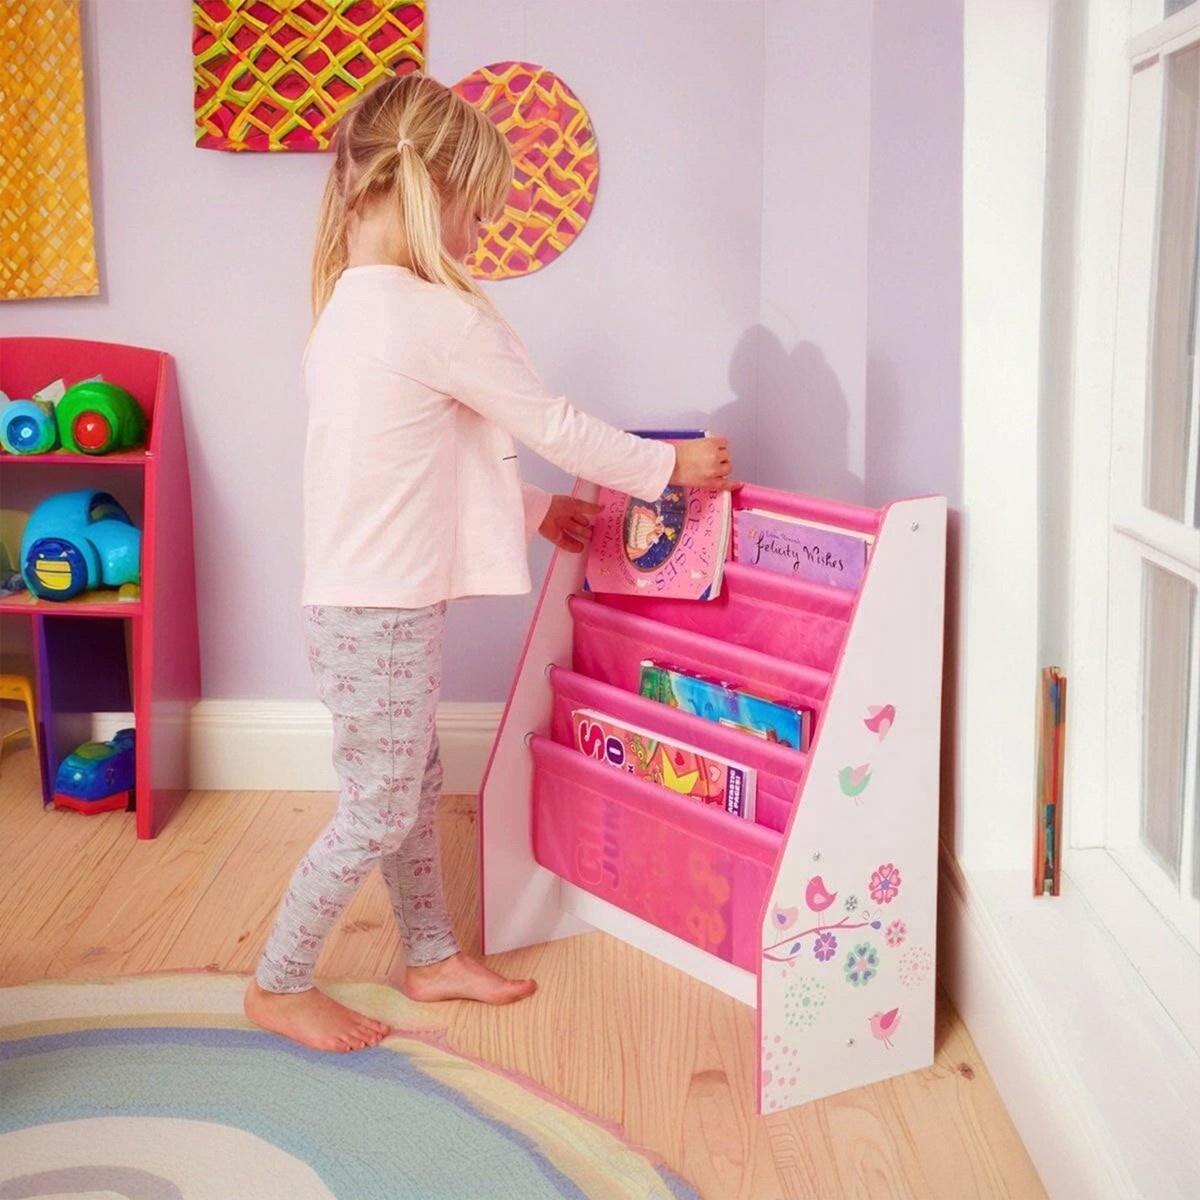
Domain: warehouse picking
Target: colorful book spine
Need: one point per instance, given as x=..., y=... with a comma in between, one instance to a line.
x=1047, y=854
x=670, y=764
x=716, y=701
x=789, y=546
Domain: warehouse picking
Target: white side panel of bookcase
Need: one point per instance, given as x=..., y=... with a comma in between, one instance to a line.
x=520, y=899
x=864, y=833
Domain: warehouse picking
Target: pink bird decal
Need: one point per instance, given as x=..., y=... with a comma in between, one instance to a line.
x=880, y=718
x=817, y=896
x=883, y=1025
x=784, y=918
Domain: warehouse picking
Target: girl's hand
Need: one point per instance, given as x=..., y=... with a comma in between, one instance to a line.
x=703, y=462
x=568, y=523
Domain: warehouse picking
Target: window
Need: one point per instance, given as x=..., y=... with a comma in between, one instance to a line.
x=1154, y=565
x=1134, y=837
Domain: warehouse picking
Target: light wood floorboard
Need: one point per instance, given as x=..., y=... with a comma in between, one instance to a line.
x=614, y=1031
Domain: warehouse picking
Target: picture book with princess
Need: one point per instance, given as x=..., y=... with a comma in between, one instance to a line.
x=673, y=546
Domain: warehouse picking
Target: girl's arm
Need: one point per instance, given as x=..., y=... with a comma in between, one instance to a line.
x=490, y=372
x=537, y=504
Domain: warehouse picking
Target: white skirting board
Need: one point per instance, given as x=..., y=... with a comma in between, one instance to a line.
x=281, y=745
x=1102, y=1086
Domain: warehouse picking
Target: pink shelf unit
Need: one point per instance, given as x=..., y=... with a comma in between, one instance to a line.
x=821, y=913
x=113, y=657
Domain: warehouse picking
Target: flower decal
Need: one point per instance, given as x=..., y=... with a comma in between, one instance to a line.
x=802, y=1001
x=862, y=964
x=885, y=884
x=825, y=947
x=895, y=933
x=916, y=963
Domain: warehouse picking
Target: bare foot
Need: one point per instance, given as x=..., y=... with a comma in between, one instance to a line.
x=461, y=978
x=313, y=1019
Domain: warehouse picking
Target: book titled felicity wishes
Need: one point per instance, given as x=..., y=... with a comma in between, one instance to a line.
x=799, y=548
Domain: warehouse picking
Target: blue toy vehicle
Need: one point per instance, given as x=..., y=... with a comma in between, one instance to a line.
x=98, y=776
x=79, y=540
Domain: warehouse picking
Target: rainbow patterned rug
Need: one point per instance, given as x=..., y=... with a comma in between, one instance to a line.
x=156, y=1088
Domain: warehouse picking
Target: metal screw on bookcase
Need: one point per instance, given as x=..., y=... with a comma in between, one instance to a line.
x=915, y=526
x=816, y=856
x=849, y=1041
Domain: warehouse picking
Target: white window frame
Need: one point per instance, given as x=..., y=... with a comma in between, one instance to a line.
x=1159, y=931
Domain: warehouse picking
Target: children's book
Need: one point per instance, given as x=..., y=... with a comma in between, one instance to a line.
x=716, y=701
x=670, y=764
x=802, y=549
x=673, y=546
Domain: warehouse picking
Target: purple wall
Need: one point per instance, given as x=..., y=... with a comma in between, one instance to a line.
x=775, y=252
x=914, y=247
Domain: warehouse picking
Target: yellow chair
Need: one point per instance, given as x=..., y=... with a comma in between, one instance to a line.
x=18, y=687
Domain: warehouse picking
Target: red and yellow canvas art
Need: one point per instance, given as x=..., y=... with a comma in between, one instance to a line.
x=278, y=74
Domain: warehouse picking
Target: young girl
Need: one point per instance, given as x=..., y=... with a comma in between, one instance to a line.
x=416, y=390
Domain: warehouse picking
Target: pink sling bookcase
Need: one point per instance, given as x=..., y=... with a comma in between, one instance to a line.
x=820, y=913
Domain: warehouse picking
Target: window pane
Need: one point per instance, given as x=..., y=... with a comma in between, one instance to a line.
x=1173, y=351
x=1174, y=6
x=1169, y=602
x=1196, y=839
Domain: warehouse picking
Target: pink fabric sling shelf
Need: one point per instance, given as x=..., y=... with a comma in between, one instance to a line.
x=115, y=657
x=821, y=912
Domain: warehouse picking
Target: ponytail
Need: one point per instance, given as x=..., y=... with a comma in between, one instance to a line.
x=415, y=144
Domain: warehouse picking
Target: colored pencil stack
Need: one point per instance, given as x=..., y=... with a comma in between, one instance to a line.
x=1047, y=858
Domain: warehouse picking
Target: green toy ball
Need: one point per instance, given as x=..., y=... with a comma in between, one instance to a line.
x=99, y=418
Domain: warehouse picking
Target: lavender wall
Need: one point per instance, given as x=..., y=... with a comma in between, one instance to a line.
x=858, y=362
x=206, y=255
x=914, y=247
x=810, y=348
x=774, y=252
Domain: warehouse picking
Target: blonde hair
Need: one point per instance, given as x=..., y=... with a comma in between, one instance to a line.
x=414, y=142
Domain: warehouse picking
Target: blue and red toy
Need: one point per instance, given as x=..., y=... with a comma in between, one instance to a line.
x=79, y=540
x=98, y=776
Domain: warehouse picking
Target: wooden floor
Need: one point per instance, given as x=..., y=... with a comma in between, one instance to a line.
x=612, y=1030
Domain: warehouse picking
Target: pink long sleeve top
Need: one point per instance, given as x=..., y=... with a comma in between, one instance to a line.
x=411, y=487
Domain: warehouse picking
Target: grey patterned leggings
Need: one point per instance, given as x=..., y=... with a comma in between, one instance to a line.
x=378, y=672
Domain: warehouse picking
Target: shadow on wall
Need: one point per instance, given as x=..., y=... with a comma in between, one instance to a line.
x=803, y=422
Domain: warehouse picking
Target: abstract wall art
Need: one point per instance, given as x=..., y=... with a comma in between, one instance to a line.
x=277, y=74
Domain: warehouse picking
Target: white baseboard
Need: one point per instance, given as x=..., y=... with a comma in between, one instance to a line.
x=277, y=745
x=1100, y=1084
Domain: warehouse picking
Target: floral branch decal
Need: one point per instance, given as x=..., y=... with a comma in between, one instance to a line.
x=885, y=884
x=826, y=939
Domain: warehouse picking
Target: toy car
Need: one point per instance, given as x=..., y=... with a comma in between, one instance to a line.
x=98, y=776
x=95, y=417
x=79, y=540
x=28, y=427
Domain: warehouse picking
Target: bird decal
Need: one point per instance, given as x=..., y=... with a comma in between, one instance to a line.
x=817, y=896
x=883, y=1025
x=854, y=780
x=880, y=718
x=784, y=918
